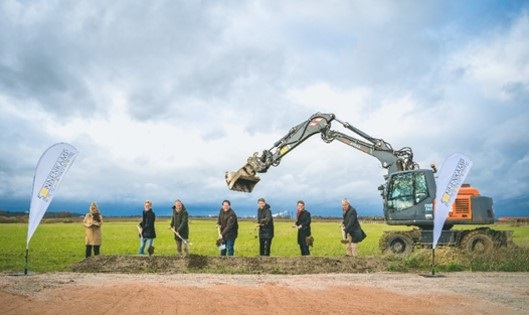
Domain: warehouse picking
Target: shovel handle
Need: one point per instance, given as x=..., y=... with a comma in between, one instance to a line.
x=218, y=230
x=178, y=234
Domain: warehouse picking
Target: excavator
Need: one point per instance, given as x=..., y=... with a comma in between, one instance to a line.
x=408, y=192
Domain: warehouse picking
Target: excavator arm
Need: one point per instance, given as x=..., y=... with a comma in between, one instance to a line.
x=392, y=160
x=246, y=177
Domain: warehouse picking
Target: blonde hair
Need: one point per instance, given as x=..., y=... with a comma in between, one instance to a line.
x=93, y=207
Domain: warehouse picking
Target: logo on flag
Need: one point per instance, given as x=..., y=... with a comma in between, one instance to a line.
x=59, y=167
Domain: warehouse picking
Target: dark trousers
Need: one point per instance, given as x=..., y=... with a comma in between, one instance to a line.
x=304, y=249
x=89, y=250
x=230, y=248
x=264, y=246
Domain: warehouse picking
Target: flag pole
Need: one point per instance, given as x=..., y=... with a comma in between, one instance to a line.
x=433, y=261
x=26, y=263
x=432, y=275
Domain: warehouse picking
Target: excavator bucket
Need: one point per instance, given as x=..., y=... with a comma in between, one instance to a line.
x=241, y=180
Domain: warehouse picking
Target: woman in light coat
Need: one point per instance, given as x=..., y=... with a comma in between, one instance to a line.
x=92, y=222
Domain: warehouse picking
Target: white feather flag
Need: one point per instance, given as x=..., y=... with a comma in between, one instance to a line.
x=450, y=178
x=51, y=168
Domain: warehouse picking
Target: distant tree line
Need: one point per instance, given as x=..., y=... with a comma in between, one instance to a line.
x=12, y=214
x=22, y=216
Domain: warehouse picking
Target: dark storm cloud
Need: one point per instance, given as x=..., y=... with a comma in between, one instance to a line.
x=202, y=84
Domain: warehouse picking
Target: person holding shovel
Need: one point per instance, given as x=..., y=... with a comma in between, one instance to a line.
x=228, y=228
x=302, y=224
x=265, y=224
x=180, y=227
x=352, y=231
x=146, y=229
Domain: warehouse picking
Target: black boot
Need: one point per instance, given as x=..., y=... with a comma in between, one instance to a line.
x=88, y=251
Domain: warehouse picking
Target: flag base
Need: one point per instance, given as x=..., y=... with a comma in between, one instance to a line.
x=432, y=276
x=21, y=274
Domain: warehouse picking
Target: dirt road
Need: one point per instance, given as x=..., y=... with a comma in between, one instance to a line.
x=376, y=293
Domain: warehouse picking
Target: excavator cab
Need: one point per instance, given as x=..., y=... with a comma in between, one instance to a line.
x=408, y=198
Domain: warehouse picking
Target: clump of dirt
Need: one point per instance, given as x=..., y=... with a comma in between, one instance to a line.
x=230, y=265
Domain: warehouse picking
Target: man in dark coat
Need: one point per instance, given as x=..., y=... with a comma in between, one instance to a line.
x=228, y=227
x=265, y=223
x=303, y=226
x=180, y=226
x=146, y=229
x=351, y=227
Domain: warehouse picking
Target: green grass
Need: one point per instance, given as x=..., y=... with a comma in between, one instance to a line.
x=56, y=246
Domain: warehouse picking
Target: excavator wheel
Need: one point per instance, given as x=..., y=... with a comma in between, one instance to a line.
x=477, y=242
x=396, y=243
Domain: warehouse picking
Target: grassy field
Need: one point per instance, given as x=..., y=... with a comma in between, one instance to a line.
x=55, y=246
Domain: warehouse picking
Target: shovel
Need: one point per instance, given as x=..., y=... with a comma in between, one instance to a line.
x=140, y=231
x=183, y=240
x=219, y=243
x=344, y=235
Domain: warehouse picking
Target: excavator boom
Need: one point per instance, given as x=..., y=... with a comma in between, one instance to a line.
x=246, y=177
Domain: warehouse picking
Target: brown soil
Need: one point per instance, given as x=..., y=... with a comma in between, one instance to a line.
x=113, y=285
x=233, y=265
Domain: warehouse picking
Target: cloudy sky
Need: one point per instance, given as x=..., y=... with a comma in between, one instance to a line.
x=162, y=97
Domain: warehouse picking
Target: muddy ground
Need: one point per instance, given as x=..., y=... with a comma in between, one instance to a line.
x=234, y=265
x=277, y=285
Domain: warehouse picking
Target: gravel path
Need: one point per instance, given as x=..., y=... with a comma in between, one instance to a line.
x=375, y=293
